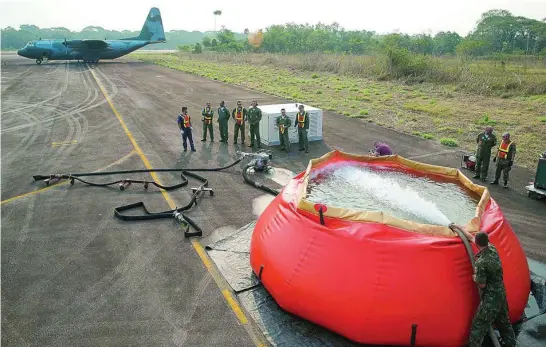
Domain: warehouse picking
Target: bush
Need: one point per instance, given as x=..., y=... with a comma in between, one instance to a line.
x=364, y=112
x=428, y=136
x=402, y=63
x=485, y=120
x=197, y=49
x=449, y=142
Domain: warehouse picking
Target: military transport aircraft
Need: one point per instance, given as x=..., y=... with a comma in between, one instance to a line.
x=92, y=50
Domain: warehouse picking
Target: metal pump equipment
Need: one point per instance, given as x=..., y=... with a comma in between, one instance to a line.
x=260, y=159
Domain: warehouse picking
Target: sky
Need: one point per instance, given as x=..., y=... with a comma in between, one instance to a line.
x=381, y=16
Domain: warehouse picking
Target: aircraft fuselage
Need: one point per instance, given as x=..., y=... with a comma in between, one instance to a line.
x=77, y=50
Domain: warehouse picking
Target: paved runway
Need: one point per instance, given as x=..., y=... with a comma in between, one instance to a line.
x=73, y=275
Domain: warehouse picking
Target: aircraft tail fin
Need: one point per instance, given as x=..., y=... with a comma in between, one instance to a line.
x=152, y=30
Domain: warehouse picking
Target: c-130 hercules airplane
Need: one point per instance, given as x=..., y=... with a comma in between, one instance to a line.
x=90, y=51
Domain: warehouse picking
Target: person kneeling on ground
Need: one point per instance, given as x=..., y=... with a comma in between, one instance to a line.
x=184, y=124
x=381, y=149
x=493, y=307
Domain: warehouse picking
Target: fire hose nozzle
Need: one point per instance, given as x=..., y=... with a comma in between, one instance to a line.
x=53, y=179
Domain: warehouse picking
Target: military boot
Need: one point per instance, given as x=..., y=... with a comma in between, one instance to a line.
x=505, y=184
x=495, y=182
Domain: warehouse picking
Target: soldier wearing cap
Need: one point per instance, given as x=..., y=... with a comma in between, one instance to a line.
x=283, y=123
x=486, y=141
x=223, y=118
x=302, y=124
x=207, y=115
x=239, y=115
x=254, y=117
x=504, y=159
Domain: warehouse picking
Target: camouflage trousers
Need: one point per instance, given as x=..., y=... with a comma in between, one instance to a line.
x=504, y=168
x=482, y=164
x=492, y=310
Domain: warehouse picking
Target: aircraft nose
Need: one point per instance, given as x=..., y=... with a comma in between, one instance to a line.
x=21, y=52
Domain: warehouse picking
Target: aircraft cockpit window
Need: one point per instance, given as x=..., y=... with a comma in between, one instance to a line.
x=30, y=43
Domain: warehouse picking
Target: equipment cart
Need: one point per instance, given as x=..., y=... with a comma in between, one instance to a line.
x=537, y=189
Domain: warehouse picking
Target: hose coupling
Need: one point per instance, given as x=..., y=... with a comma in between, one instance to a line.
x=53, y=179
x=124, y=184
x=202, y=189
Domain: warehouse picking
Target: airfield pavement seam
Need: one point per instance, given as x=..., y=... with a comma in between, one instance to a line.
x=222, y=285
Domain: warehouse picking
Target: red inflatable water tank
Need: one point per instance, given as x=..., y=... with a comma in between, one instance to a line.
x=376, y=279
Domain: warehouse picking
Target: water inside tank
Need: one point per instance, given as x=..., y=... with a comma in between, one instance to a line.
x=399, y=193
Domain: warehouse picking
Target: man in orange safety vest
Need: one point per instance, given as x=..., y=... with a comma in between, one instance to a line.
x=302, y=124
x=240, y=117
x=504, y=159
x=207, y=115
x=184, y=124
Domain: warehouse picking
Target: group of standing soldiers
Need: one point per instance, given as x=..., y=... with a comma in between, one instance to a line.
x=241, y=116
x=301, y=123
x=504, y=156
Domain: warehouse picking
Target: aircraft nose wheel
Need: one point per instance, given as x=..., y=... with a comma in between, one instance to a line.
x=38, y=61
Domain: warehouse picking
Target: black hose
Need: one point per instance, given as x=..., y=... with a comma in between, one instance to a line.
x=165, y=214
x=257, y=184
x=65, y=176
x=471, y=257
x=129, y=181
x=198, y=231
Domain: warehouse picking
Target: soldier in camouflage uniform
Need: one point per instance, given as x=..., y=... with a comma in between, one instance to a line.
x=486, y=141
x=283, y=123
x=493, y=307
x=254, y=117
x=223, y=118
x=207, y=115
x=239, y=115
x=505, y=159
x=302, y=124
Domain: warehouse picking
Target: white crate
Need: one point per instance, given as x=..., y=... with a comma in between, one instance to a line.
x=269, y=132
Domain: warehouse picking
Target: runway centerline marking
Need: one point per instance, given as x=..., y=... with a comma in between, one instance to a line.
x=232, y=303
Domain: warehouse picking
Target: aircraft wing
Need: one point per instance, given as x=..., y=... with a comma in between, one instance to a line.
x=86, y=44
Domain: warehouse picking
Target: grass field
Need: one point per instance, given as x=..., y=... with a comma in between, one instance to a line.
x=448, y=113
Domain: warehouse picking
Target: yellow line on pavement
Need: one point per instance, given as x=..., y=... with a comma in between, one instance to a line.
x=232, y=303
x=166, y=195
x=41, y=190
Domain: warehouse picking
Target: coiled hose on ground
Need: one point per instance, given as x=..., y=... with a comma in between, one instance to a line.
x=183, y=219
x=124, y=183
x=257, y=184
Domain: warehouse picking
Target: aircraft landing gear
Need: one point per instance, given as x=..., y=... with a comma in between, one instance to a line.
x=38, y=61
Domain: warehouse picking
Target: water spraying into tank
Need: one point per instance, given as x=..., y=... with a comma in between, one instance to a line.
x=398, y=193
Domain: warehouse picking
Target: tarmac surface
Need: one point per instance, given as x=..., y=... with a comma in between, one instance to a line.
x=74, y=275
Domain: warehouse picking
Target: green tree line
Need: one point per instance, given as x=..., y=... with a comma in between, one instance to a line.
x=497, y=32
